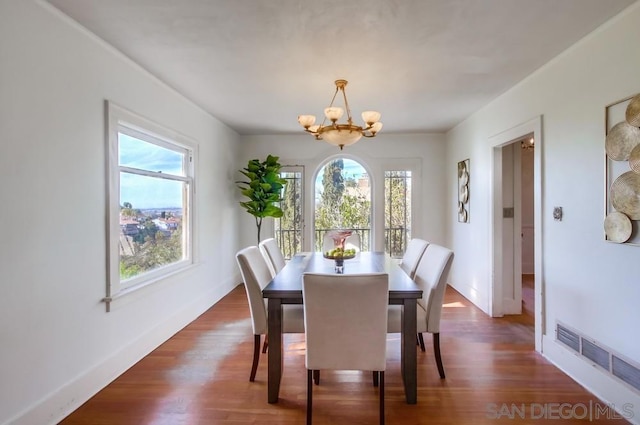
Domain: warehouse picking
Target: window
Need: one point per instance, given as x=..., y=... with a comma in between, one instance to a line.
x=150, y=201
x=343, y=200
x=288, y=228
x=397, y=211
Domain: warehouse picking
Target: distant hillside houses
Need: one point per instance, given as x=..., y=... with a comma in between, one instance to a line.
x=169, y=224
x=129, y=226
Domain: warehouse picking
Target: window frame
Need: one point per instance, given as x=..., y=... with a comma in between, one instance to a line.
x=277, y=230
x=414, y=165
x=120, y=120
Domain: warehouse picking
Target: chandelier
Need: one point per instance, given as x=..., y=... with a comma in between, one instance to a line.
x=341, y=134
x=527, y=144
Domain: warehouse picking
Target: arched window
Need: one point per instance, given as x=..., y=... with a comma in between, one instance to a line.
x=343, y=200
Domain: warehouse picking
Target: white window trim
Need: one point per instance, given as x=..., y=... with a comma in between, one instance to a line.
x=415, y=166
x=116, y=117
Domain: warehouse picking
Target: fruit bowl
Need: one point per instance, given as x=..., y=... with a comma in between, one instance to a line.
x=337, y=254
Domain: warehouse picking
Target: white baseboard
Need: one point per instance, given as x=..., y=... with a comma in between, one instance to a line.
x=511, y=306
x=605, y=388
x=472, y=295
x=59, y=404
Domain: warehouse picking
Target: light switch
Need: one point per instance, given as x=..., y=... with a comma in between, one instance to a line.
x=557, y=213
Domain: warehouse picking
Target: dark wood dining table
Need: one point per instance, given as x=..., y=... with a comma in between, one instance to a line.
x=286, y=288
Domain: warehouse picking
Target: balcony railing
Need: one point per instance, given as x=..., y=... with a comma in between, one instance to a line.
x=395, y=240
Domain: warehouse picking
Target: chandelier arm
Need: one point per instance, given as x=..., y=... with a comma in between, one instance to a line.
x=330, y=105
x=346, y=105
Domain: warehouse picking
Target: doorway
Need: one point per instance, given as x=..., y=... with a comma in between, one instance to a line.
x=507, y=227
x=342, y=200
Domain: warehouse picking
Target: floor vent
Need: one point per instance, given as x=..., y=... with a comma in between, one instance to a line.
x=599, y=355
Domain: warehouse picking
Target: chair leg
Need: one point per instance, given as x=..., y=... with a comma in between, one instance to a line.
x=316, y=377
x=309, y=394
x=256, y=357
x=375, y=378
x=436, y=352
x=381, y=397
x=421, y=342
x=266, y=344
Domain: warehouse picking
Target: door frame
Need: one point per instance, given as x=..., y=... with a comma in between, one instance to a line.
x=497, y=142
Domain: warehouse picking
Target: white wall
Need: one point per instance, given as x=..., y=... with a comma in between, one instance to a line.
x=426, y=150
x=58, y=344
x=588, y=284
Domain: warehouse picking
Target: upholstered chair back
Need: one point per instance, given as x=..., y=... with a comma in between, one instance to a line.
x=412, y=255
x=256, y=275
x=431, y=275
x=346, y=321
x=273, y=254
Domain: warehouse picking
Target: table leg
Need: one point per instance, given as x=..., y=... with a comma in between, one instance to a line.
x=275, y=349
x=408, y=352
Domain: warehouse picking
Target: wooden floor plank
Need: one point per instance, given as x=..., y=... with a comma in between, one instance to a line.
x=201, y=376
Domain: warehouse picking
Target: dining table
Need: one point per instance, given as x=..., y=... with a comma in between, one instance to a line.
x=286, y=288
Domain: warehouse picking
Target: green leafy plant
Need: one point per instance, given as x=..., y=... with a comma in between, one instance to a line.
x=263, y=189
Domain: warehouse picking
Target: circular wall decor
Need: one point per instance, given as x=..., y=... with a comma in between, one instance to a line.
x=632, y=114
x=617, y=227
x=634, y=159
x=621, y=140
x=625, y=194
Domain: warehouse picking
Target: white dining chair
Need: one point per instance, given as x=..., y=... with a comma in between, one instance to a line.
x=431, y=276
x=341, y=337
x=256, y=275
x=412, y=255
x=272, y=253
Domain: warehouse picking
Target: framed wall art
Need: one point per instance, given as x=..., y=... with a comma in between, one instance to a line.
x=463, y=191
x=622, y=171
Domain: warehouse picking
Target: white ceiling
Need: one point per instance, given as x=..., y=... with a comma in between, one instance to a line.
x=424, y=64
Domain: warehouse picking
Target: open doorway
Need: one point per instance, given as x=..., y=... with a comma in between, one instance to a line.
x=527, y=226
x=509, y=223
x=342, y=200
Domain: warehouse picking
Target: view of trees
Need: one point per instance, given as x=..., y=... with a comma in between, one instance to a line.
x=397, y=211
x=145, y=246
x=343, y=201
x=289, y=227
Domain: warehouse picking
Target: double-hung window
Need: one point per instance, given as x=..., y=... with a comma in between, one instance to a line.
x=150, y=201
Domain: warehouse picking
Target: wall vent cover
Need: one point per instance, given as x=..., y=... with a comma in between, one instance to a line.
x=596, y=354
x=600, y=355
x=626, y=372
x=568, y=337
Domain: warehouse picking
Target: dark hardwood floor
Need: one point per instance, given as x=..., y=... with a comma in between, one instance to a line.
x=201, y=376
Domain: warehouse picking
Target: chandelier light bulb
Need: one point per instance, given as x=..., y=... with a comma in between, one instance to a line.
x=377, y=126
x=306, y=120
x=333, y=113
x=370, y=117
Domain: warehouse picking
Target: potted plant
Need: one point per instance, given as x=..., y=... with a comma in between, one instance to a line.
x=263, y=189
